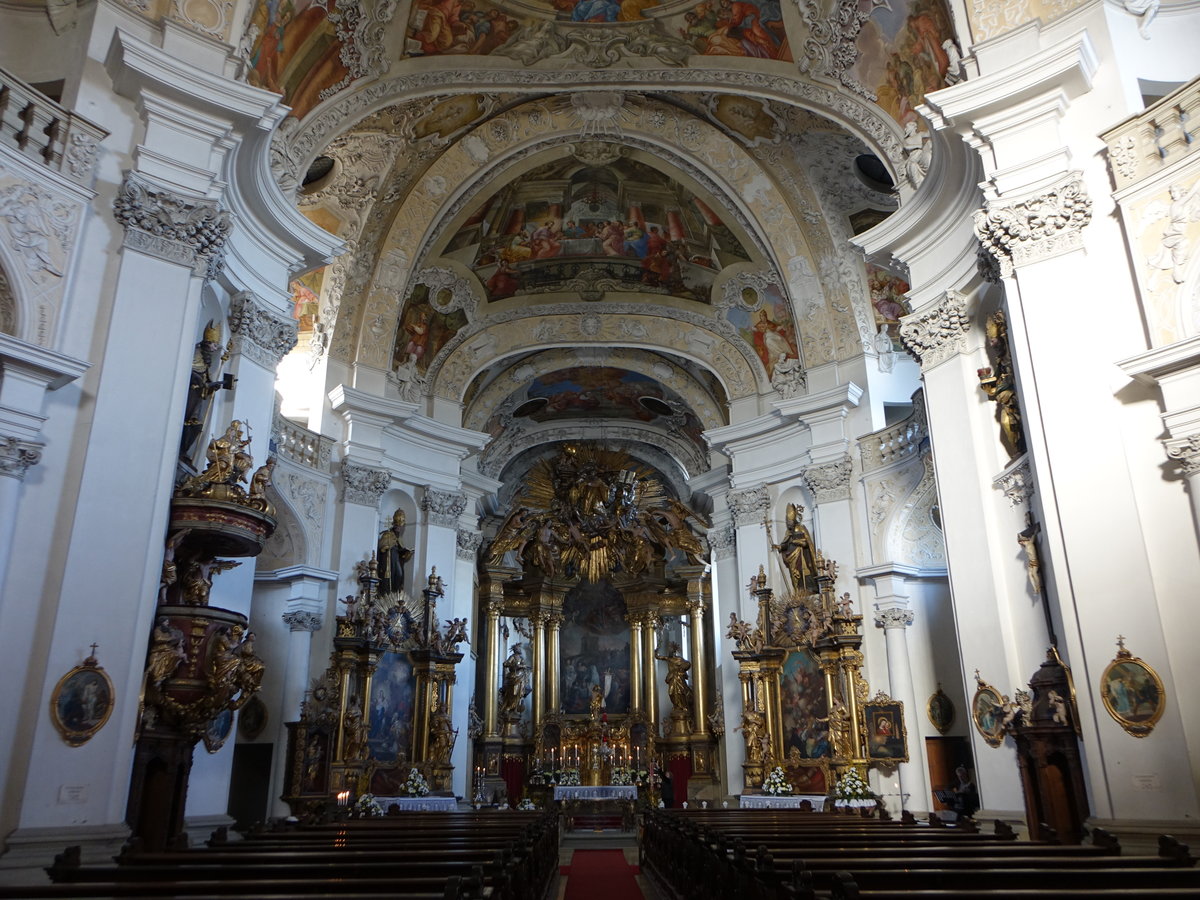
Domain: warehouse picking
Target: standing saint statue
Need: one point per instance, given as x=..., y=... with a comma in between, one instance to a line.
x=798, y=552
x=516, y=683
x=391, y=556
x=678, y=688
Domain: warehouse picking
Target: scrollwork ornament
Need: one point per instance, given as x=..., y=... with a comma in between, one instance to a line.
x=830, y=481
x=179, y=229
x=1186, y=451
x=1037, y=228
x=304, y=621
x=261, y=334
x=18, y=456
x=934, y=335
x=893, y=617
x=442, y=507
x=441, y=280
x=749, y=507
x=1016, y=483
x=364, y=485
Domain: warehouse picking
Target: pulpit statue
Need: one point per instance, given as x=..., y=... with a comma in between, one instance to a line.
x=798, y=552
x=204, y=381
x=516, y=686
x=392, y=556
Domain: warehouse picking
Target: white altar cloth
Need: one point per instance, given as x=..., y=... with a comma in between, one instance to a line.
x=791, y=801
x=599, y=792
x=419, y=804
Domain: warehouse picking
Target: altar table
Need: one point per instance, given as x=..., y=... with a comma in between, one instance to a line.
x=419, y=804
x=596, y=792
x=791, y=801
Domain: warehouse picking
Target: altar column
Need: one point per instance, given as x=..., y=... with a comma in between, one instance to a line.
x=649, y=681
x=491, y=691
x=635, y=662
x=696, y=609
x=553, y=675
x=539, y=666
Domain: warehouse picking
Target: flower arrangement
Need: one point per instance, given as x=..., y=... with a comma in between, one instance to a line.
x=852, y=791
x=776, y=783
x=416, y=786
x=568, y=777
x=367, y=807
x=622, y=775
x=527, y=805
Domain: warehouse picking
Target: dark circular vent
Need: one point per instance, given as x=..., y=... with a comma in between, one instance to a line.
x=873, y=173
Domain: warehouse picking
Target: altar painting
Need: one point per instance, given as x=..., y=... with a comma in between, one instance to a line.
x=618, y=226
x=424, y=331
x=594, y=649
x=306, y=300
x=902, y=56
x=768, y=328
x=391, y=707
x=296, y=53
x=804, y=705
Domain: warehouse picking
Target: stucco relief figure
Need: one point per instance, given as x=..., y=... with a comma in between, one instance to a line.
x=391, y=555
x=798, y=552
x=1145, y=10
x=1184, y=207
x=516, y=686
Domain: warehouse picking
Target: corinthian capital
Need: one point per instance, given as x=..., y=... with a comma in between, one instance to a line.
x=180, y=229
x=893, y=617
x=260, y=333
x=363, y=485
x=467, y=543
x=1036, y=228
x=1186, y=451
x=303, y=621
x=16, y=456
x=935, y=334
x=830, y=481
x=723, y=542
x=442, y=507
x=749, y=507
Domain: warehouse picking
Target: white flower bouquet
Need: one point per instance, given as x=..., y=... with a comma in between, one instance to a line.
x=367, y=807
x=622, y=775
x=527, y=805
x=852, y=791
x=416, y=786
x=568, y=777
x=776, y=783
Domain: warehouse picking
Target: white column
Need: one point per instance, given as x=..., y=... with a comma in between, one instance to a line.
x=894, y=619
x=303, y=617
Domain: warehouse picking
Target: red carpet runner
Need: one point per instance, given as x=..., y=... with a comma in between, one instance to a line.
x=601, y=875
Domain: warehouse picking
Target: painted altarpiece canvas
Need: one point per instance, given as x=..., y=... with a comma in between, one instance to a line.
x=594, y=649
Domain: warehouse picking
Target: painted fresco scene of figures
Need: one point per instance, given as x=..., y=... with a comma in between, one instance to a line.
x=605, y=392
x=594, y=649
x=768, y=328
x=294, y=50
x=389, y=717
x=423, y=331
x=903, y=54
x=805, y=710
x=624, y=225
x=737, y=28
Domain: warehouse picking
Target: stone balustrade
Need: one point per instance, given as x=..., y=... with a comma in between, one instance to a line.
x=896, y=442
x=43, y=130
x=1157, y=137
x=300, y=445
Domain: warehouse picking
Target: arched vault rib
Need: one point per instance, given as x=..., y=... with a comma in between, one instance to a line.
x=518, y=374
x=739, y=177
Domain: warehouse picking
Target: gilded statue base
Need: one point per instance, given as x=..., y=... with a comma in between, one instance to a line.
x=680, y=725
x=752, y=777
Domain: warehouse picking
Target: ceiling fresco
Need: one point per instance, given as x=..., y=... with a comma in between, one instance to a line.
x=617, y=225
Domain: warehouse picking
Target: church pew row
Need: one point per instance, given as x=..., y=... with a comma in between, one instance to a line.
x=703, y=862
x=505, y=858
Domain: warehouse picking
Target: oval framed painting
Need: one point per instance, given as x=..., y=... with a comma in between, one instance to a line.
x=987, y=712
x=81, y=702
x=1132, y=692
x=940, y=709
